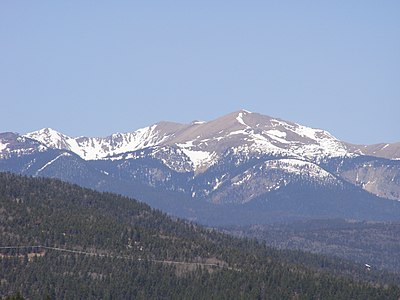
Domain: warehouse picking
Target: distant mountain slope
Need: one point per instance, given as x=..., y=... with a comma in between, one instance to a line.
x=231, y=163
x=389, y=151
x=14, y=145
x=99, y=245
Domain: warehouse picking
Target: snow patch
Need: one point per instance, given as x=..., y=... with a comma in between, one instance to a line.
x=305, y=131
x=3, y=146
x=198, y=158
x=187, y=144
x=299, y=167
x=278, y=136
x=277, y=133
x=237, y=132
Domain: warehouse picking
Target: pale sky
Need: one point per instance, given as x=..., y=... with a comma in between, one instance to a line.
x=98, y=67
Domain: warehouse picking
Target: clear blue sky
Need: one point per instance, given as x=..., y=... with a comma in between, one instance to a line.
x=98, y=67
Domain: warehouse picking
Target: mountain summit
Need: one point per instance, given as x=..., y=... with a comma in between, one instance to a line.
x=242, y=159
x=204, y=142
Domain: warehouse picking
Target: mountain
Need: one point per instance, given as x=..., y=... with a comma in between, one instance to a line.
x=204, y=142
x=60, y=241
x=241, y=167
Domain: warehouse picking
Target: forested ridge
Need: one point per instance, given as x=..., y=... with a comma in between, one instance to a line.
x=375, y=243
x=126, y=250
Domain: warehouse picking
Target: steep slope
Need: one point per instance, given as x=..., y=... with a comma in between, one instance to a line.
x=76, y=243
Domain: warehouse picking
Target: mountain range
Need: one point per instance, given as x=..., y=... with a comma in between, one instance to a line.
x=242, y=168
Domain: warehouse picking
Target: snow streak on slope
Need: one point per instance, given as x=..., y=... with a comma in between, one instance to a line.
x=52, y=161
x=239, y=118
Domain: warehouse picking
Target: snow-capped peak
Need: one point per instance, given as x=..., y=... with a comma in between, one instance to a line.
x=204, y=142
x=90, y=148
x=51, y=138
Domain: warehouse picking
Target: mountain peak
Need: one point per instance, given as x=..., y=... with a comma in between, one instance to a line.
x=46, y=130
x=239, y=131
x=48, y=135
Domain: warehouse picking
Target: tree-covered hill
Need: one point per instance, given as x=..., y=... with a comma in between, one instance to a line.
x=76, y=243
x=375, y=243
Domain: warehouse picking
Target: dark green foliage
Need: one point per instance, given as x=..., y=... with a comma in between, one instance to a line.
x=134, y=247
x=377, y=244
